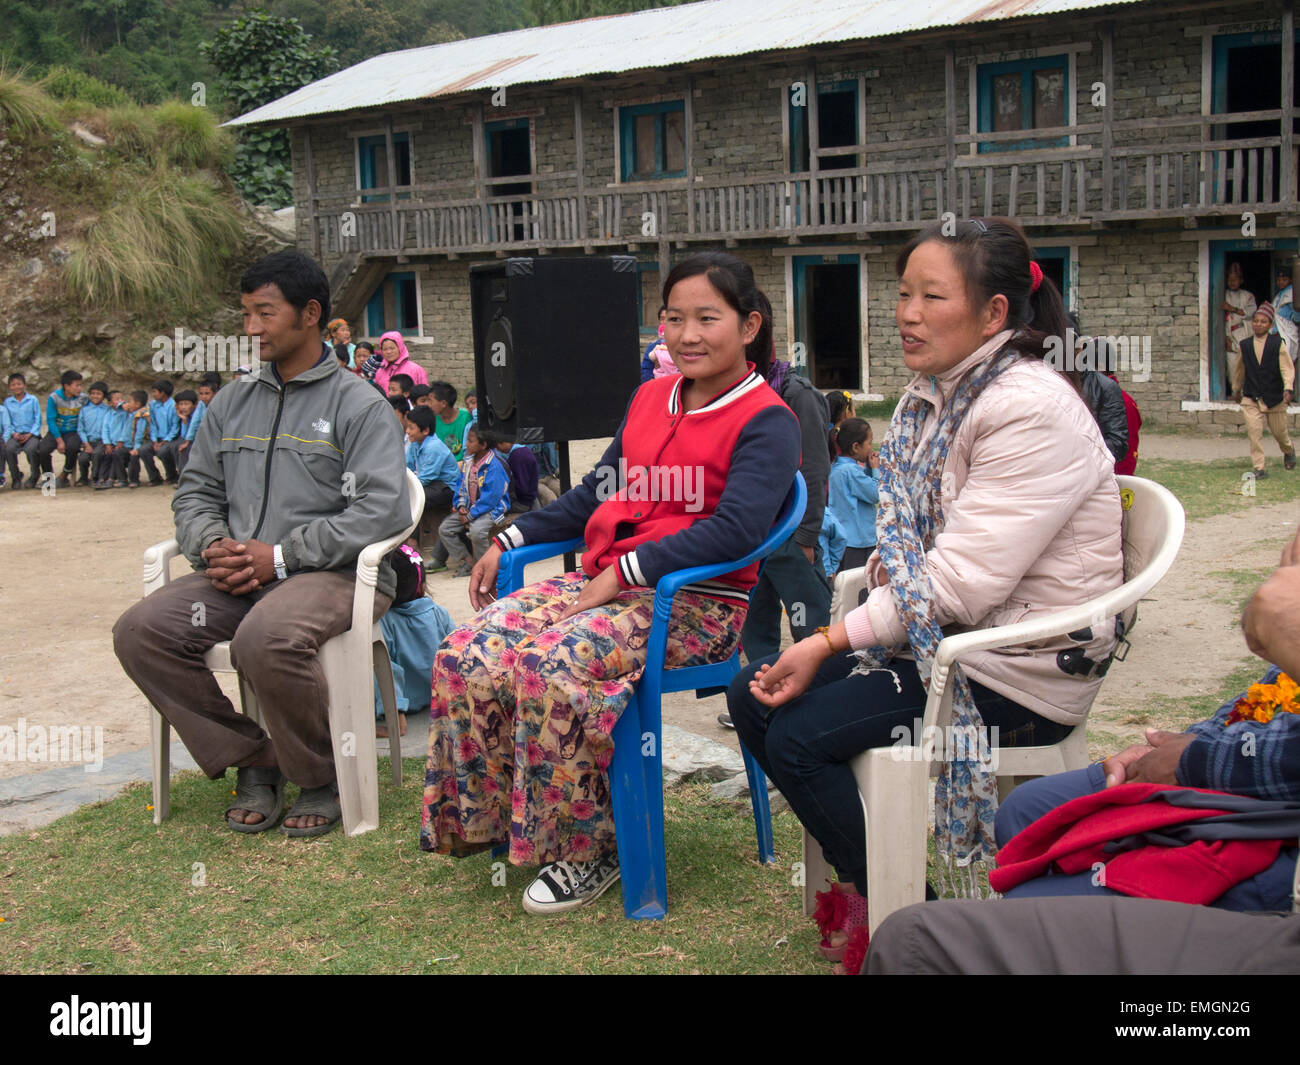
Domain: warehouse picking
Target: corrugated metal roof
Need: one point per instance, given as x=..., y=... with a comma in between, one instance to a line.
x=613, y=44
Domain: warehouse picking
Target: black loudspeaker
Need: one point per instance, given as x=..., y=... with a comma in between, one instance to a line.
x=556, y=346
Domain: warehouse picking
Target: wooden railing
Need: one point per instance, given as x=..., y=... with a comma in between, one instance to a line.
x=1192, y=171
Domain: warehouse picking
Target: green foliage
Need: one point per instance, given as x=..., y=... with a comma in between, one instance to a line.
x=262, y=57
x=546, y=12
x=160, y=242
x=190, y=137
x=24, y=107
x=65, y=83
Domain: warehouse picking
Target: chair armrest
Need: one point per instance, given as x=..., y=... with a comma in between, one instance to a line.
x=510, y=575
x=157, y=572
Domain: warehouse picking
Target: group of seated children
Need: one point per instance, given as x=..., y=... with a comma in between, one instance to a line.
x=104, y=435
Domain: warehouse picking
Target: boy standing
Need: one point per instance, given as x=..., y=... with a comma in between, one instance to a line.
x=62, y=412
x=117, y=424
x=481, y=501
x=24, y=432
x=90, y=427
x=164, y=433
x=135, y=435
x=452, y=421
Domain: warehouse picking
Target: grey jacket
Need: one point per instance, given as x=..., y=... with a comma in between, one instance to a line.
x=334, y=482
x=810, y=408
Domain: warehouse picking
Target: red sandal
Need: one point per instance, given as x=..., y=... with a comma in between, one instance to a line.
x=839, y=911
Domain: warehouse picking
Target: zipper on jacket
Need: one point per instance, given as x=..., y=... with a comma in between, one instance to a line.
x=270, y=451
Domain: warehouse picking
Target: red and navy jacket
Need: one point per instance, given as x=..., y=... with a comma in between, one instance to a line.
x=679, y=488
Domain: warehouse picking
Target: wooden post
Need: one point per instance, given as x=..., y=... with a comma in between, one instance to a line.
x=814, y=144
x=581, y=150
x=392, y=179
x=950, y=130
x=1107, y=132
x=311, y=195
x=1287, y=193
x=689, y=136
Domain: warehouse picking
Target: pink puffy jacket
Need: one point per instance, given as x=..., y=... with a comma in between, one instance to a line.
x=1032, y=525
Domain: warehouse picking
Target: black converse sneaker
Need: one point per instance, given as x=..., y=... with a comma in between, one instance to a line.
x=563, y=886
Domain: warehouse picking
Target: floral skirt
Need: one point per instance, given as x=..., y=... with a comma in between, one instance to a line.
x=523, y=709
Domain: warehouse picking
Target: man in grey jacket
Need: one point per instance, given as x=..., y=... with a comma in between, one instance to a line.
x=294, y=470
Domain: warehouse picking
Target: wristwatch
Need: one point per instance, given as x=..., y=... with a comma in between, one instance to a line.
x=277, y=560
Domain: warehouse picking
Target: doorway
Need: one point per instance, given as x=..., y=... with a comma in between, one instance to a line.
x=510, y=154
x=828, y=320
x=1258, y=259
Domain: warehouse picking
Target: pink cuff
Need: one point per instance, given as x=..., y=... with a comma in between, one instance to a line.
x=857, y=626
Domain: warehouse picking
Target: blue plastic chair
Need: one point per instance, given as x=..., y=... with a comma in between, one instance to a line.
x=636, y=777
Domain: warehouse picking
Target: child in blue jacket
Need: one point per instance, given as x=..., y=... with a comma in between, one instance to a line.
x=854, y=492
x=482, y=499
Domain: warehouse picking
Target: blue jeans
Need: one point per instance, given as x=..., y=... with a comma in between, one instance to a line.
x=786, y=578
x=805, y=746
x=1269, y=890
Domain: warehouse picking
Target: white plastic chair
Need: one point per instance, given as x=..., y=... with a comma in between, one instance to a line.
x=349, y=660
x=893, y=782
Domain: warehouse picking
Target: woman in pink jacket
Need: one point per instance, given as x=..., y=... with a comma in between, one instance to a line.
x=397, y=360
x=998, y=503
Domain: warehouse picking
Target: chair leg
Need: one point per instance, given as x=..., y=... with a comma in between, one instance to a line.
x=637, y=790
x=388, y=693
x=352, y=730
x=762, y=809
x=817, y=873
x=896, y=836
x=161, y=738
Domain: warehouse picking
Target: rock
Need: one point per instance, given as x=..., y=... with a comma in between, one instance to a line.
x=108, y=331
x=687, y=756
x=737, y=788
x=86, y=137
x=59, y=256
x=32, y=268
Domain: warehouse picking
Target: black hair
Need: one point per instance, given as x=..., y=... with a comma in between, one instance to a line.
x=298, y=277
x=367, y=345
x=68, y=376
x=341, y=353
x=186, y=394
x=99, y=386
x=443, y=392
x=212, y=380
x=424, y=418
x=418, y=392
x=482, y=434
x=140, y=396
x=852, y=431
x=734, y=279
x=489, y=436
x=993, y=257
x=399, y=403
x=836, y=403
x=16, y=377
x=403, y=381
x=164, y=386
x=471, y=394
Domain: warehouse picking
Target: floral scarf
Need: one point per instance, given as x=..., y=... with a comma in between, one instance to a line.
x=909, y=515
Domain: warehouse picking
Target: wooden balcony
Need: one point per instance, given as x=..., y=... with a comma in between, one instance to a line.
x=1116, y=175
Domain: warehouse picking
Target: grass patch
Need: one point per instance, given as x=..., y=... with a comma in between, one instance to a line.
x=24, y=106
x=1209, y=488
x=105, y=891
x=880, y=410
x=1184, y=710
x=159, y=243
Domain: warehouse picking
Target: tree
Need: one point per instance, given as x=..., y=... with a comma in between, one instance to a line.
x=260, y=58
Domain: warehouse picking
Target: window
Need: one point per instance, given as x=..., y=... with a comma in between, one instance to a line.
x=837, y=127
x=395, y=304
x=652, y=139
x=1026, y=94
x=372, y=165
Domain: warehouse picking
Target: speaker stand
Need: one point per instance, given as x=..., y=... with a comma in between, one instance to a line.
x=566, y=482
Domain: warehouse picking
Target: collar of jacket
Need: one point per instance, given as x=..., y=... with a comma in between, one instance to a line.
x=324, y=366
x=936, y=388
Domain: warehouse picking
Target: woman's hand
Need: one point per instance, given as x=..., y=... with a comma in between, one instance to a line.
x=596, y=592
x=788, y=678
x=483, y=578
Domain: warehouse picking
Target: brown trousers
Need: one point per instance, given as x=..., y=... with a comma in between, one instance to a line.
x=1073, y=936
x=1256, y=414
x=274, y=636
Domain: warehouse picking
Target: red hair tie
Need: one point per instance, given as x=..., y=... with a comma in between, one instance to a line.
x=1035, y=272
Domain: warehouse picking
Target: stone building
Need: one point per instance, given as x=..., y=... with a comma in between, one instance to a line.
x=1142, y=146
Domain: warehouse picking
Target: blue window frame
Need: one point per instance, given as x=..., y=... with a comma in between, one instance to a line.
x=1025, y=94
x=1055, y=263
x=652, y=141
x=372, y=170
x=394, y=305
x=837, y=126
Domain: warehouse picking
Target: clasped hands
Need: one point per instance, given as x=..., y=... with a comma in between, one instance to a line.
x=239, y=567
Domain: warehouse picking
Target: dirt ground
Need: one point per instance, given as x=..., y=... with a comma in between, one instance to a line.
x=70, y=563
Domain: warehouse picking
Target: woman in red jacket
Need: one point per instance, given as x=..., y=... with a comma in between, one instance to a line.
x=526, y=696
